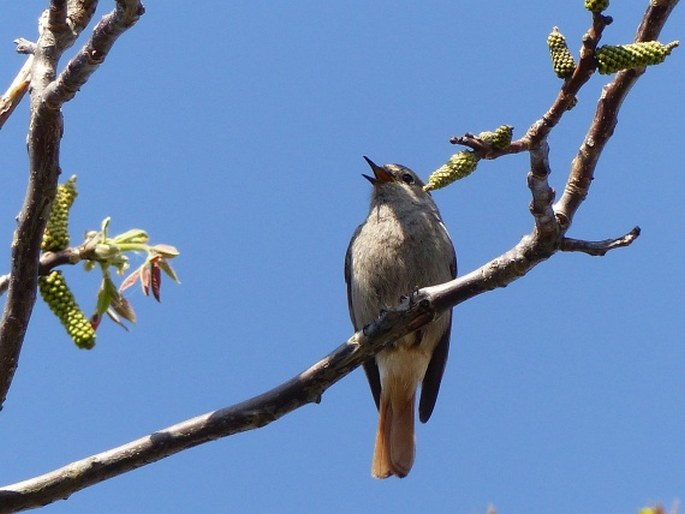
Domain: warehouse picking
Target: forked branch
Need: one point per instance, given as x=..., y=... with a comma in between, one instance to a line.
x=548, y=236
x=59, y=27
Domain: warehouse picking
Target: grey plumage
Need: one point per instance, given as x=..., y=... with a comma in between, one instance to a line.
x=402, y=245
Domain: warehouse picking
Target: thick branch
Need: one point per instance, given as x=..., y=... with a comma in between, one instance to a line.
x=58, y=30
x=307, y=387
x=420, y=308
x=45, y=131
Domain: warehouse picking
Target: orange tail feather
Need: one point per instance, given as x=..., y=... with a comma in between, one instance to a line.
x=395, y=447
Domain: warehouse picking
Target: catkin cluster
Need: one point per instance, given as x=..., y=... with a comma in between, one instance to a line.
x=500, y=138
x=54, y=290
x=460, y=165
x=562, y=60
x=56, y=234
x=463, y=163
x=596, y=5
x=611, y=59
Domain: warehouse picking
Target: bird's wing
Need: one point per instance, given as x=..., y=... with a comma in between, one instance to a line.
x=436, y=367
x=374, y=378
x=370, y=366
x=431, y=380
x=348, y=276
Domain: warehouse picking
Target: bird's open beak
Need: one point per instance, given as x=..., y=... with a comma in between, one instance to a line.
x=380, y=175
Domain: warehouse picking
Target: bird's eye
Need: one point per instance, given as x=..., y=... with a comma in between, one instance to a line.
x=407, y=179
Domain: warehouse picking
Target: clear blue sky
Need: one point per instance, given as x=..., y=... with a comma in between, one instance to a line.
x=236, y=133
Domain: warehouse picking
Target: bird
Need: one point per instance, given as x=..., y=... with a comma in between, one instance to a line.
x=401, y=246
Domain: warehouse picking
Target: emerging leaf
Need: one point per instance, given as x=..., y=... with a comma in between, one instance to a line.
x=104, y=297
x=166, y=250
x=156, y=281
x=130, y=280
x=166, y=268
x=133, y=236
x=122, y=307
x=113, y=316
x=145, y=280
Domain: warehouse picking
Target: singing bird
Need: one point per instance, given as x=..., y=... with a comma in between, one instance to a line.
x=403, y=245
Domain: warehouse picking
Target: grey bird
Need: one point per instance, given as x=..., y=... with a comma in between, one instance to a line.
x=403, y=245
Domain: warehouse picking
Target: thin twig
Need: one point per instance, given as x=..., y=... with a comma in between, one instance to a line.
x=599, y=248
x=548, y=223
x=606, y=117
x=51, y=260
x=539, y=130
x=16, y=91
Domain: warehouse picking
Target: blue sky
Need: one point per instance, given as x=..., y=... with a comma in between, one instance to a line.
x=235, y=132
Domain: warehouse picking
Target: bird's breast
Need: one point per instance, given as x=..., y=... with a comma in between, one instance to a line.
x=393, y=255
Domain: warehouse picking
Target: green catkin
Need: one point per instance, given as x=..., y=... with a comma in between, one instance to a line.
x=562, y=60
x=611, y=59
x=55, y=291
x=460, y=165
x=596, y=5
x=56, y=234
x=500, y=138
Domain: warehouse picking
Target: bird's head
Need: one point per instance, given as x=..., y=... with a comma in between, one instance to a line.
x=394, y=183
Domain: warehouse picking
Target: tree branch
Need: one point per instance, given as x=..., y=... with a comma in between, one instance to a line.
x=43, y=144
x=606, y=117
x=79, y=69
x=415, y=311
x=551, y=223
x=539, y=130
x=58, y=29
x=51, y=260
x=599, y=248
x=307, y=387
x=16, y=91
x=78, y=16
x=543, y=194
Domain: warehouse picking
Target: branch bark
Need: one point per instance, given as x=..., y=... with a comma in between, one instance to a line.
x=599, y=248
x=606, y=116
x=307, y=387
x=16, y=91
x=45, y=131
x=58, y=27
x=51, y=260
x=547, y=237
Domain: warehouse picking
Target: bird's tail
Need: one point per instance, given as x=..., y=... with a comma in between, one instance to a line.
x=395, y=447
